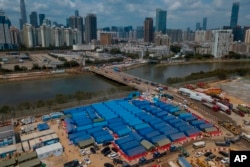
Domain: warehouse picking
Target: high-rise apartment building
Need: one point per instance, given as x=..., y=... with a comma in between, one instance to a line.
x=15, y=35
x=247, y=37
x=203, y=36
x=234, y=14
x=105, y=38
x=33, y=19
x=41, y=18
x=221, y=42
x=148, y=30
x=175, y=35
x=204, y=23
x=27, y=35
x=5, y=39
x=161, y=20
x=90, y=28
x=139, y=32
x=76, y=22
x=23, y=18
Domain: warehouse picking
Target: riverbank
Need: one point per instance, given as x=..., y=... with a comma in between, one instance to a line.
x=202, y=62
x=13, y=77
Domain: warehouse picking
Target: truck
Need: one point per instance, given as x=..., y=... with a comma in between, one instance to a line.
x=172, y=164
x=245, y=136
x=234, y=139
x=28, y=128
x=208, y=99
x=195, y=97
x=179, y=148
x=224, y=108
x=28, y=120
x=185, y=91
x=222, y=143
x=199, y=144
x=212, y=106
x=238, y=112
x=183, y=162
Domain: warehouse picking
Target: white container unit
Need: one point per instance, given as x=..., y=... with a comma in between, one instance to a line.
x=46, y=151
x=26, y=146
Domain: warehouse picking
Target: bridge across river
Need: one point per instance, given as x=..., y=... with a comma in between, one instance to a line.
x=151, y=87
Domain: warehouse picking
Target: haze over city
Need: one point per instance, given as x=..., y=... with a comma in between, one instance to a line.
x=180, y=13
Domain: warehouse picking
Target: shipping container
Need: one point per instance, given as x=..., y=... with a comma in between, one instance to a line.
x=183, y=162
x=177, y=136
x=128, y=145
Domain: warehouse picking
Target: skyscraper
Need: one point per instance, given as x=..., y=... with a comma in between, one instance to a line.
x=198, y=26
x=148, y=30
x=90, y=27
x=41, y=18
x=204, y=23
x=33, y=19
x=161, y=20
x=76, y=13
x=5, y=39
x=76, y=22
x=234, y=14
x=23, y=18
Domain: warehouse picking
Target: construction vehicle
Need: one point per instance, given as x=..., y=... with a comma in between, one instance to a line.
x=213, y=91
x=179, y=148
x=244, y=109
x=222, y=143
x=200, y=163
x=235, y=129
x=246, y=122
x=233, y=139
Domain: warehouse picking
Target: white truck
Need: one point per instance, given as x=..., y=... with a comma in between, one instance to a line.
x=172, y=164
x=199, y=144
x=245, y=136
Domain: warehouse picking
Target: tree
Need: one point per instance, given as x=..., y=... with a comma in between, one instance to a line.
x=17, y=68
x=175, y=48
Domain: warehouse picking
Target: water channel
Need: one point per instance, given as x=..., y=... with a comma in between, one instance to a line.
x=29, y=91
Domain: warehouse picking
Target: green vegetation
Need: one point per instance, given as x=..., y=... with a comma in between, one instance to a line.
x=220, y=73
x=175, y=48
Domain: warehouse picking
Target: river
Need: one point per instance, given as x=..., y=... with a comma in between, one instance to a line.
x=34, y=90
x=160, y=73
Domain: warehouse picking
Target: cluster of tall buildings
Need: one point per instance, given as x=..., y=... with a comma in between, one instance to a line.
x=41, y=32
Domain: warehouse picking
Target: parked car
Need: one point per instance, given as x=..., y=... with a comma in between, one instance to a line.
x=105, y=149
x=212, y=156
x=113, y=155
x=114, y=149
x=93, y=150
x=117, y=161
x=207, y=154
x=107, y=153
x=225, y=154
x=87, y=161
x=198, y=154
x=108, y=165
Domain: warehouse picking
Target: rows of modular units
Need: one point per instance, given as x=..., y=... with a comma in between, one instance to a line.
x=135, y=127
x=38, y=139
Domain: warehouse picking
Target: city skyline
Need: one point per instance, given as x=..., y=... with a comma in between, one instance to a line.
x=181, y=14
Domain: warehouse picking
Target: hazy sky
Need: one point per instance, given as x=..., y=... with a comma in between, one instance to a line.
x=181, y=13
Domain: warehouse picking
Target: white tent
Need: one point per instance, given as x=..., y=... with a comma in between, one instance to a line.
x=55, y=149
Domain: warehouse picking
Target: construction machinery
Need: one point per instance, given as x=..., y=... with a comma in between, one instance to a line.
x=235, y=129
x=200, y=163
